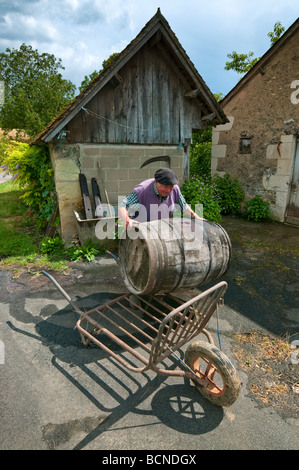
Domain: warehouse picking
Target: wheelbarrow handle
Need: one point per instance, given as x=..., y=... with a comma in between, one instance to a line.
x=75, y=308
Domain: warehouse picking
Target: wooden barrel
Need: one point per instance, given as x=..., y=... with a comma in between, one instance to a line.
x=164, y=255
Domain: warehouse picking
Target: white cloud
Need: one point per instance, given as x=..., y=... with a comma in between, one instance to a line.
x=85, y=32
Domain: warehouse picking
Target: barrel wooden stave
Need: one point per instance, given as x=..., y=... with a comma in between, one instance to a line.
x=167, y=255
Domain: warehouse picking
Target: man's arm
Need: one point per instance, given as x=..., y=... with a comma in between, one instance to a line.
x=123, y=214
x=190, y=213
x=186, y=209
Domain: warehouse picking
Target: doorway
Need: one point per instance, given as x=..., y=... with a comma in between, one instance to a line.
x=292, y=211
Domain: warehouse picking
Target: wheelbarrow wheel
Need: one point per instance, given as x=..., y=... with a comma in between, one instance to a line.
x=212, y=365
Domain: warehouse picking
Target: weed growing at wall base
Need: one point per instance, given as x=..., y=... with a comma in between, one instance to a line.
x=257, y=209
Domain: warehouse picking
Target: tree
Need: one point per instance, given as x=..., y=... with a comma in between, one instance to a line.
x=89, y=78
x=201, y=149
x=35, y=91
x=242, y=63
x=278, y=31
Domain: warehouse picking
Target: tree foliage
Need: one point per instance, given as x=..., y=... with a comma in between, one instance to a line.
x=35, y=91
x=89, y=78
x=242, y=63
x=31, y=167
x=278, y=30
x=200, y=153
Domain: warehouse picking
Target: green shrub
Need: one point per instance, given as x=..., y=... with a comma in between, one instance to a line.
x=257, y=209
x=31, y=168
x=87, y=253
x=55, y=246
x=201, y=191
x=230, y=192
x=200, y=153
x=52, y=245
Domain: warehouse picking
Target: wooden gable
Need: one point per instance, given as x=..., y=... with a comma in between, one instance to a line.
x=150, y=94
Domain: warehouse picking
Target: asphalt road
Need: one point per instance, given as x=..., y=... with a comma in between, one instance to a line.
x=58, y=394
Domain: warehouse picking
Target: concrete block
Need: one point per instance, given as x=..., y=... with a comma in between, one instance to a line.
x=286, y=150
x=112, y=150
x=69, y=190
x=215, y=137
x=126, y=187
x=109, y=162
x=227, y=126
x=214, y=164
x=218, y=151
x=287, y=138
x=284, y=167
x=271, y=152
x=134, y=151
x=141, y=174
x=94, y=151
x=129, y=162
x=66, y=170
x=88, y=162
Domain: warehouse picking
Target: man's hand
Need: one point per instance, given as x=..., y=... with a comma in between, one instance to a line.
x=130, y=224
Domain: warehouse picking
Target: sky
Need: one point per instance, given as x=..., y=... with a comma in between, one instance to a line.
x=83, y=33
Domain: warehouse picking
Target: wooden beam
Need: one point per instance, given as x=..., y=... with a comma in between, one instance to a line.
x=155, y=39
x=208, y=117
x=192, y=93
x=115, y=80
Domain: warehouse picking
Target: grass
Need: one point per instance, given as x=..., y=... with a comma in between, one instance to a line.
x=23, y=248
x=19, y=238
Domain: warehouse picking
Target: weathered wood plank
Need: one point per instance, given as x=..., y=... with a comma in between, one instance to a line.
x=148, y=106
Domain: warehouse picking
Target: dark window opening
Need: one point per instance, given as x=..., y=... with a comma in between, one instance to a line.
x=245, y=144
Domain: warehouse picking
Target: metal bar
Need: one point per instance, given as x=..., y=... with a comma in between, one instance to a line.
x=150, y=338
x=138, y=318
x=177, y=327
x=74, y=306
x=112, y=353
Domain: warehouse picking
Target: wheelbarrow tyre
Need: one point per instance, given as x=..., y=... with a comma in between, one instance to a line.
x=224, y=385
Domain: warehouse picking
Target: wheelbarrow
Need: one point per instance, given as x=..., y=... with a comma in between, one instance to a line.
x=151, y=328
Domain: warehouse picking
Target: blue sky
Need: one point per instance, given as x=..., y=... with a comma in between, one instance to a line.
x=85, y=32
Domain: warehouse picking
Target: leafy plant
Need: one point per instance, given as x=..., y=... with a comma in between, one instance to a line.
x=257, y=209
x=52, y=245
x=242, y=63
x=34, y=89
x=202, y=191
x=230, y=192
x=200, y=153
x=31, y=168
x=105, y=64
x=87, y=253
x=17, y=237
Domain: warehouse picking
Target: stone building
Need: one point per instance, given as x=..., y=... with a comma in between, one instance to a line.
x=259, y=145
x=144, y=105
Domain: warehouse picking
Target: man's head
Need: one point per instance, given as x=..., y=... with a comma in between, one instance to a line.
x=165, y=180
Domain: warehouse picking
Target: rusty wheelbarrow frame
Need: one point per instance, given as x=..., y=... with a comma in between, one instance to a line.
x=160, y=325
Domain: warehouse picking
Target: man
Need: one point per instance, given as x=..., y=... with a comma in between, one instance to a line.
x=154, y=199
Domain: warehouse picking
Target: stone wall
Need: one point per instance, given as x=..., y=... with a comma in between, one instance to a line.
x=120, y=168
x=273, y=183
x=265, y=110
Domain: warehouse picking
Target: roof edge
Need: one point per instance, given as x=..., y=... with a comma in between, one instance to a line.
x=259, y=64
